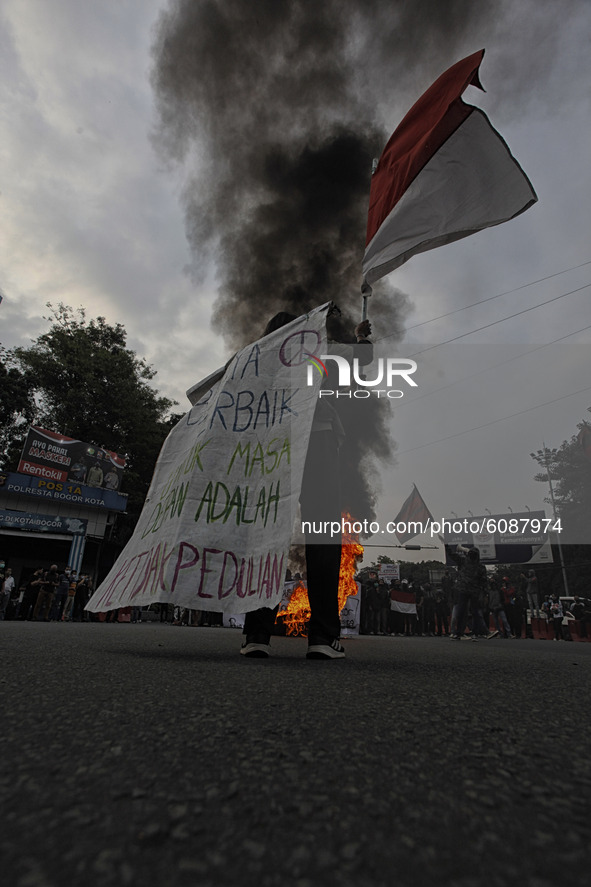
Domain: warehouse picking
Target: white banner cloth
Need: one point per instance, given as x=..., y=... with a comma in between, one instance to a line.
x=216, y=526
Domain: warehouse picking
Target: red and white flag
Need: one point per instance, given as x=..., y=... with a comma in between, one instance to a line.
x=413, y=518
x=402, y=600
x=445, y=173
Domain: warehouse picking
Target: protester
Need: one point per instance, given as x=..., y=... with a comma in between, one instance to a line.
x=441, y=614
x=531, y=591
x=6, y=591
x=410, y=619
x=46, y=594
x=518, y=612
x=419, y=602
x=486, y=608
x=497, y=606
x=14, y=601
x=428, y=611
x=479, y=626
x=472, y=583
x=372, y=588
x=320, y=500
x=580, y=610
x=69, y=604
x=384, y=603
x=61, y=596
x=455, y=606
x=557, y=615
x=447, y=584
x=32, y=588
x=81, y=597
x=396, y=617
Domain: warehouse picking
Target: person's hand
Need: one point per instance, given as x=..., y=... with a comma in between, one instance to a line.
x=363, y=330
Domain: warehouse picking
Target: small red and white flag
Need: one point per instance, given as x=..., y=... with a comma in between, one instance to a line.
x=402, y=600
x=445, y=173
x=413, y=518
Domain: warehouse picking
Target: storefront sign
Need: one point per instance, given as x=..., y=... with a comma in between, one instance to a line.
x=42, y=523
x=78, y=494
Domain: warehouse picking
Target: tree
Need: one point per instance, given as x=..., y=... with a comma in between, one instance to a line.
x=568, y=467
x=88, y=385
x=17, y=406
x=418, y=573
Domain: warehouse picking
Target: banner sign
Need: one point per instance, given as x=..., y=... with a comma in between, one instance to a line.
x=514, y=538
x=388, y=572
x=42, y=523
x=52, y=456
x=350, y=614
x=216, y=526
x=74, y=493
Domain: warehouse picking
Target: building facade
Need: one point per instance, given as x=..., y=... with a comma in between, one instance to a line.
x=44, y=522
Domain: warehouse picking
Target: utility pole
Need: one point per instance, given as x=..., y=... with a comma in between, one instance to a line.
x=564, y=579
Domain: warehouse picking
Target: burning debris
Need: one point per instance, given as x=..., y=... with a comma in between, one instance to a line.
x=296, y=614
x=351, y=553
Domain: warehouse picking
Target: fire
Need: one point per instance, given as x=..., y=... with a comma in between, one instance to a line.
x=350, y=553
x=295, y=617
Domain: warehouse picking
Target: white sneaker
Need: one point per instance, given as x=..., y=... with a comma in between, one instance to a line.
x=256, y=647
x=323, y=649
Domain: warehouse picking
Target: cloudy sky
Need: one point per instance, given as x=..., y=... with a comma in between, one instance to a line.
x=107, y=163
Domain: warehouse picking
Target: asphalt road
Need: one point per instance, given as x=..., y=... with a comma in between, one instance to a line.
x=155, y=755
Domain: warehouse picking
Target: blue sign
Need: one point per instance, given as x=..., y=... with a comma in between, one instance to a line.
x=62, y=491
x=42, y=523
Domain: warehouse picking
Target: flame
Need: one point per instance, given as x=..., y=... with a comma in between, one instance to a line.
x=351, y=552
x=297, y=613
x=295, y=617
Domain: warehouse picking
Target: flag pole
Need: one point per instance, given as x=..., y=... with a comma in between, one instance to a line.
x=366, y=289
x=365, y=294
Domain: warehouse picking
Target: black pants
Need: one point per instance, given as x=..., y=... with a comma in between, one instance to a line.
x=557, y=628
x=442, y=622
x=320, y=501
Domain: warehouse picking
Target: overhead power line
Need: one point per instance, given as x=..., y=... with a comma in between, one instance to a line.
x=495, y=366
x=502, y=320
x=493, y=421
x=491, y=298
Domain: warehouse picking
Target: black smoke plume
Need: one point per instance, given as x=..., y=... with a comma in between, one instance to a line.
x=273, y=107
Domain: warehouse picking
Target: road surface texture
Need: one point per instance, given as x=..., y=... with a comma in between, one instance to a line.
x=155, y=755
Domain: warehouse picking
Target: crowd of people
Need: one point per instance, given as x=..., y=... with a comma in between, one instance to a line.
x=54, y=595
x=469, y=603
x=48, y=595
